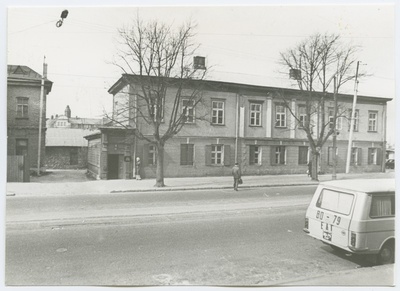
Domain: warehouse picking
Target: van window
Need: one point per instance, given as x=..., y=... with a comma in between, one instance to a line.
x=382, y=206
x=335, y=201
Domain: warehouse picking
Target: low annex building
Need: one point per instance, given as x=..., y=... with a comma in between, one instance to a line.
x=244, y=123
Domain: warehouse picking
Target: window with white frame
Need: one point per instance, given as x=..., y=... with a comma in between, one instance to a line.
x=255, y=155
x=355, y=158
x=302, y=115
x=280, y=155
x=152, y=156
x=188, y=110
x=255, y=114
x=22, y=107
x=217, y=154
x=372, y=120
x=280, y=112
x=331, y=119
x=356, y=119
x=218, y=112
x=373, y=156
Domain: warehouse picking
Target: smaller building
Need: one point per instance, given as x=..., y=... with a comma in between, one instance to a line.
x=66, y=148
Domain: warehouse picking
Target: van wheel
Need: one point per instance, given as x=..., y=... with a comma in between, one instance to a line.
x=386, y=254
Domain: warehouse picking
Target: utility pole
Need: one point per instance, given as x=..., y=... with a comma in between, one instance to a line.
x=334, y=129
x=353, y=114
x=44, y=76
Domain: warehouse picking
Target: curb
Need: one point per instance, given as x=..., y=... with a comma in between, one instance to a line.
x=213, y=187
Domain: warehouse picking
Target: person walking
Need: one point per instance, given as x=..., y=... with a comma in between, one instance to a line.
x=137, y=169
x=236, y=176
x=309, y=168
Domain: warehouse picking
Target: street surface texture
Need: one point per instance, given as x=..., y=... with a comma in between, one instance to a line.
x=215, y=237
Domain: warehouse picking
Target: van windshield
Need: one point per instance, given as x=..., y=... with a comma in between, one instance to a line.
x=335, y=201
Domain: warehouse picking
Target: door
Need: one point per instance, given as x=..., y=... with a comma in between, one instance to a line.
x=113, y=167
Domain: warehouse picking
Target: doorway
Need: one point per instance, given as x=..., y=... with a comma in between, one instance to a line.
x=113, y=167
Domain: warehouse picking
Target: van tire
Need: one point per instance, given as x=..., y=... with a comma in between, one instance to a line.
x=386, y=254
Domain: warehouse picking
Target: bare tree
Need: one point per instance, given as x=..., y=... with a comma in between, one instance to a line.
x=157, y=60
x=314, y=63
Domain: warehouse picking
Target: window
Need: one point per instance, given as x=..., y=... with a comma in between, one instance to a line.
x=255, y=114
x=154, y=108
x=331, y=155
x=302, y=116
x=374, y=156
x=21, y=148
x=217, y=154
x=22, y=107
x=73, y=156
x=280, y=116
x=187, y=153
x=279, y=155
x=152, y=157
x=372, y=120
x=331, y=119
x=356, y=115
x=382, y=205
x=303, y=153
x=255, y=155
x=218, y=112
x=355, y=156
x=335, y=201
x=188, y=110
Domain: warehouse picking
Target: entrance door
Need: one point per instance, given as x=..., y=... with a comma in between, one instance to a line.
x=113, y=166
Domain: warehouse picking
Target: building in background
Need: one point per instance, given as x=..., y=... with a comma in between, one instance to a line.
x=66, y=147
x=23, y=115
x=243, y=123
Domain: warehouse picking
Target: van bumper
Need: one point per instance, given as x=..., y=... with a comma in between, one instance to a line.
x=358, y=250
x=306, y=230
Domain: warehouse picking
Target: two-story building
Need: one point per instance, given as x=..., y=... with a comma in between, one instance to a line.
x=245, y=123
x=23, y=114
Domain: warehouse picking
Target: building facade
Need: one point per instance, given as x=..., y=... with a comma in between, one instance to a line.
x=251, y=125
x=23, y=114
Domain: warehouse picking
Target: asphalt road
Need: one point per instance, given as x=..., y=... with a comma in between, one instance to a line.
x=246, y=238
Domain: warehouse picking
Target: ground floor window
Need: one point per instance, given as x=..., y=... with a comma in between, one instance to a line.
x=218, y=155
x=21, y=148
x=374, y=156
x=355, y=156
x=217, y=152
x=303, y=153
x=255, y=155
x=152, y=157
x=187, y=154
x=279, y=155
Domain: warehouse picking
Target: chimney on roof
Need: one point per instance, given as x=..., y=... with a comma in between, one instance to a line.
x=67, y=112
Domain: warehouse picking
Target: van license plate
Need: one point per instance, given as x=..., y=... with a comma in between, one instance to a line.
x=327, y=236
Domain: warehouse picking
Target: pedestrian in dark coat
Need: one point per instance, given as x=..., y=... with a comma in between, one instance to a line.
x=236, y=176
x=309, y=168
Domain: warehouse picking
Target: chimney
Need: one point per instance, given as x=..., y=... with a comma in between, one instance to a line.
x=68, y=112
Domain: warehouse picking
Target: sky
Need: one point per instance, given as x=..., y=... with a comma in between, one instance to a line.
x=241, y=44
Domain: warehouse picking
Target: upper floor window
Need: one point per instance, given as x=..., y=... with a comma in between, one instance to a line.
x=22, y=107
x=331, y=119
x=356, y=117
x=302, y=116
x=372, y=120
x=188, y=110
x=255, y=114
x=218, y=112
x=280, y=116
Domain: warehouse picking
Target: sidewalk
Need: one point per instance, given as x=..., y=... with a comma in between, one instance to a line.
x=173, y=184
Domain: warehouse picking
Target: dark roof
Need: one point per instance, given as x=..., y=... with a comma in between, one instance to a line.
x=231, y=87
x=23, y=74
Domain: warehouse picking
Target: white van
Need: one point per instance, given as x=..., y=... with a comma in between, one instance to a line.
x=357, y=216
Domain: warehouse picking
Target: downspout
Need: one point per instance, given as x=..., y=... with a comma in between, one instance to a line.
x=384, y=127
x=237, y=128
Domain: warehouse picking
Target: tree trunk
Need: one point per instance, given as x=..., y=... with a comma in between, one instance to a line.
x=160, y=166
x=314, y=166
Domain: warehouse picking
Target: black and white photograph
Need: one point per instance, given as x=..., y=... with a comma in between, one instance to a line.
x=199, y=145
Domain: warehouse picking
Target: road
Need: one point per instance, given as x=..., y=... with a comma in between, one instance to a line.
x=215, y=237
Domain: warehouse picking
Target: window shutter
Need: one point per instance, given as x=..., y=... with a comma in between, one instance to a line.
x=184, y=154
x=379, y=156
x=252, y=154
x=227, y=155
x=272, y=155
x=190, y=155
x=145, y=155
x=359, y=156
x=208, y=155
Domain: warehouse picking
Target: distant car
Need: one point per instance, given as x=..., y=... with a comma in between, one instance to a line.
x=356, y=216
x=390, y=164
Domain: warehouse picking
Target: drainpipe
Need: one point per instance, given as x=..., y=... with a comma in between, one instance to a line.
x=237, y=128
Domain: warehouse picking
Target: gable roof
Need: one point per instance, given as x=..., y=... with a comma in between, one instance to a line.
x=19, y=74
x=67, y=137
